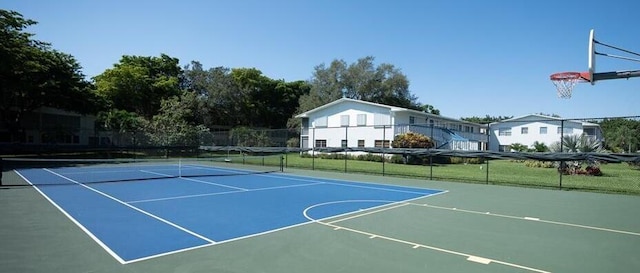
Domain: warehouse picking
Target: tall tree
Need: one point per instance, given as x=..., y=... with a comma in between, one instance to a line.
x=138, y=84
x=621, y=134
x=427, y=108
x=32, y=75
x=362, y=80
x=384, y=84
x=243, y=96
x=176, y=122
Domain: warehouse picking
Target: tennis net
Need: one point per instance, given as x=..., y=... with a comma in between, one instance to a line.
x=83, y=171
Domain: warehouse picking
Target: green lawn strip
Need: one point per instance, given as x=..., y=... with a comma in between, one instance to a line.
x=618, y=177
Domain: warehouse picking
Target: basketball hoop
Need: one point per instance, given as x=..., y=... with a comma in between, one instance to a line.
x=565, y=81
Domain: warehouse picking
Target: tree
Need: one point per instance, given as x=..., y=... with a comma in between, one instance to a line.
x=175, y=124
x=243, y=96
x=621, y=134
x=578, y=144
x=122, y=123
x=33, y=75
x=540, y=147
x=361, y=80
x=427, y=108
x=267, y=103
x=486, y=119
x=218, y=92
x=138, y=84
x=518, y=147
x=247, y=137
x=326, y=86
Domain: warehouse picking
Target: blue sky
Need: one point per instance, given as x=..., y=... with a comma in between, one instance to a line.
x=466, y=58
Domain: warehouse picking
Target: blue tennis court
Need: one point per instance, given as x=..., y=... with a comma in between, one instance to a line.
x=145, y=218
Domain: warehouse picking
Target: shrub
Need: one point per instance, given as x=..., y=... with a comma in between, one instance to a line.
x=538, y=164
x=397, y=159
x=466, y=160
x=293, y=142
x=593, y=170
x=412, y=140
x=370, y=157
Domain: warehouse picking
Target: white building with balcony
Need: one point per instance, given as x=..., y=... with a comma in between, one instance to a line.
x=355, y=123
x=528, y=129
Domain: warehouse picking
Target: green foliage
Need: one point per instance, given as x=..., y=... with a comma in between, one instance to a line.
x=139, y=84
x=518, y=147
x=243, y=96
x=247, y=137
x=397, y=159
x=538, y=164
x=621, y=134
x=580, y=143
x=549, y=115
x=370, y=157
x=412, y=140
x=174, y=125
x=540, y=147
x=119, y=120
x=466, y=160
x=427, y=108
x=577, y=144
x=33, y=75
x=486, y=120
x=361, y=80
x=293, y=142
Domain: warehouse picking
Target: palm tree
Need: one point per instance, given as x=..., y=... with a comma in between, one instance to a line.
x=577, y=144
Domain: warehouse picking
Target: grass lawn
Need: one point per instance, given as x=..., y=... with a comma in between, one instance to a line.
x=617, y=177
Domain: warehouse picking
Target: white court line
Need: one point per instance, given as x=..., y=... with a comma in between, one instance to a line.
x=136, y=209
x=211, y=183
x=342, y=183
x=324, y=180
x=156, y=173
x=531, y=219
x=83, y=228
x=220, y=193
x=414, y=245
x=181, y=197
x=368, y=213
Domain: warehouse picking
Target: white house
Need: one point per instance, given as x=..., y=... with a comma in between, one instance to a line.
x=355, y=123
x=528, y=129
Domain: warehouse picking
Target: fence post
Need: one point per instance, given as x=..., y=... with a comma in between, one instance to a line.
x=313, y=150
x=346, y=139
x=431, y=155
x=384, y=129
x=488, y=149
x=562, y=164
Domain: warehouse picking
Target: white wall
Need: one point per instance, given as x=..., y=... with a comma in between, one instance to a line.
x=533, y=135
x=333, y=133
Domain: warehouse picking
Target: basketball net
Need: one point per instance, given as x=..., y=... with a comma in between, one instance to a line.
x=565, y=82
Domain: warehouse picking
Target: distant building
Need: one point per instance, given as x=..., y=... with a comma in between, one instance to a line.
x=355, y=123
x=47, y=125
x=528, y=129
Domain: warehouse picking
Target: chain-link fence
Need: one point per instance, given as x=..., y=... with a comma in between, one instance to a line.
x=588, y=153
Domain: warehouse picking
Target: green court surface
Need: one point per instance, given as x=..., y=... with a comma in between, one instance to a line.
x=471, y=228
